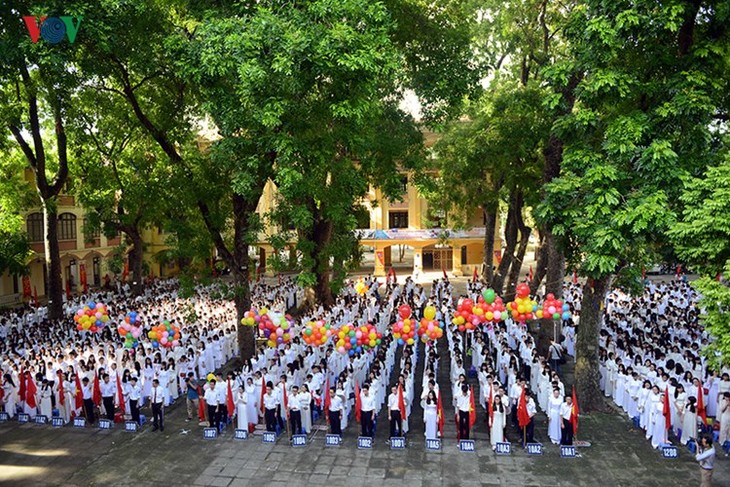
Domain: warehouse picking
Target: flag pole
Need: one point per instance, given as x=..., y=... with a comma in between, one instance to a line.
x=524, y=437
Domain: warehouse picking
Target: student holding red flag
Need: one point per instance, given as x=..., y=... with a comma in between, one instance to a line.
x=472, y=409
x=441, y=416
x=358, y=403
x=31, y=405
x=574, y=413
x=526, y=410
x=701, y=410
x=120, y=393
x=229, y=400
x=97, y=390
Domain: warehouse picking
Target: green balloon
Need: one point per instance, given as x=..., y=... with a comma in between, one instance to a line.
x=488, y=295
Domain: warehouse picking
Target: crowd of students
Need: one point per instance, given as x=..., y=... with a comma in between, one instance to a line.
x=649, y=347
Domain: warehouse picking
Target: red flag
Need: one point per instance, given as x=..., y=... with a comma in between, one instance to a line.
x=472, y=408
x=441, y=417
x=61, y=394
x=78, y=394
x=327, y=401
x=358, y=405
x=401, y=403
x=286, y=401
x=120, y=393
x=82, y=277
x=530, y=274
x=490, y=407
x=26, y=287
x=474, y=277
x=201, y=405
x=444, y=271
x=456, y=422
x=667, y=411
x=701, y=411
x=68, y=290
x=125, y=272
x=21, y=389
x=679, y=270
x=229, y=400
x=263, y=393
x=523, y=417
x=574, y=413
x=35, y=295
x=31, y=391
x=97, y=390
x=575, y=277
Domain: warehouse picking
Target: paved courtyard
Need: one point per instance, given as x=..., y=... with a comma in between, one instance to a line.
x=40, y=455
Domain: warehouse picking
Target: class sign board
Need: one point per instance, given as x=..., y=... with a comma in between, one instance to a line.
x=534, y=448
x=397, y=443
x=433, y=444
x=332, y=440
x=269, y=437
x=467, y=446
x=210, y=433
x=567, y=451
x=503, y=448
x=670, y=452
x=364, y=442
x=240, y=434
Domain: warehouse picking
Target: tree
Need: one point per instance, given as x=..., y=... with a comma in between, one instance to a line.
x=124, y=179
x=15, y=196
x=702, y=239
x=640, y=126
x=37, y=99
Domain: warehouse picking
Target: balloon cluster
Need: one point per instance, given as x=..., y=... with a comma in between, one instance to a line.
x=361, y=288
x=429, y=328
x=464, y=318
x=91, y=317
x=404, y=330
x=553, y=308
x=356, y=339
x=250, y=318
x=490, y=307
x=130, y=330
x=165, y=335
x=316, y=333
x=523, y=308
x=275, y=327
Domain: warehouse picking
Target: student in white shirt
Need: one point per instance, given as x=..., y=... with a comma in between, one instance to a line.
x=295, y=411
x=211, y=400
x=133, y=394
x=158, y=401
x=108, y=389
x=271, y=404
x=367, y=409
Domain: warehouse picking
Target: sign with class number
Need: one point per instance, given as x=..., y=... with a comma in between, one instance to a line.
x=269, y=437
x=467, y=446
x=57, y=422
x=240, y=434
x=4, y=417
x=364, y=442
x=40, y=419
x=567, y=451
x=105, y=424
x=79, y=422
x=131, y=426
x=210, y=433
x=670, y=452
x=433, y=444
x=332, y=440
x=397, y=443
x=23, y=418
x=503, y=448
x=534, y=448
x=298, y=440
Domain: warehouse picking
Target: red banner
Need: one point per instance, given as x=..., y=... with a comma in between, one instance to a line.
x=26, y=287
x=82, y=277
x=381, y=256
x=125, y=273
x=498, y=256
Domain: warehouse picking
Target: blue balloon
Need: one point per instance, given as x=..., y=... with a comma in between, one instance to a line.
x=353, y=340
x=98, y=322
x=155, y=344
x=351, y=352
x=534, y=308
x=566, y=307
x=566, y=316
x=400, y=341
x=91, y=305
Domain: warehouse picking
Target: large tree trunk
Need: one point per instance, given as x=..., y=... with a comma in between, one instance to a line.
x=243, y=209
x=586, y=366
x=510, y=238
x=514, y=274
x=540, y=265
x=53, y=260
x=490, y=216
x=136, y=260
x=322, y=235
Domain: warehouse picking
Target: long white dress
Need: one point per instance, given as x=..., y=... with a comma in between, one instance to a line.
x=689, y=425
x=251, y=404
x=659, y=431
x=430, y=417
x=496, y=432
x=10, y=399
x=46, y=405
x=305, y=399
x=241, y=412
x=554, y=416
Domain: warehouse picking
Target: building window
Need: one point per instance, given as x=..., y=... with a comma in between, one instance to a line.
x=34, y=222
x=404, y=184
x=67, y=226
x=398, y=219
x=89, y=232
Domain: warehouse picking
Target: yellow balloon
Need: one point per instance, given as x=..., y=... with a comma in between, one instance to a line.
x=429, y=313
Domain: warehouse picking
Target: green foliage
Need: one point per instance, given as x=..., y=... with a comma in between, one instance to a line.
x=115, y=262
x=641, y=126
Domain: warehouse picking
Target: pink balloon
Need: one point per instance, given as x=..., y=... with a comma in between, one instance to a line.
x=497, y=315
x=279, y=332
x=175, y=343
